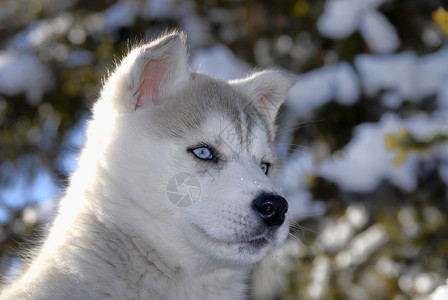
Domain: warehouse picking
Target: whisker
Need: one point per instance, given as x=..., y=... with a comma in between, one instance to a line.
x=308, y=251
x=296, y=126
x=298, y=227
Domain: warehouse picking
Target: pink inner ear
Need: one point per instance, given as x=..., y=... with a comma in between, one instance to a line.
x=266, y=106
x=264, y=101
x=151, y=79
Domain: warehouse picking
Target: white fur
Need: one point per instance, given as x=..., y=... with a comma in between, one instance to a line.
x=117, y=236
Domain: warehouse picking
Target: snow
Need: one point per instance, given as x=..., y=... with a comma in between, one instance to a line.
x=24, y=73
x=318, y=87
x=341, y=18
x=406, y=74
x=293, y=182
x=119, y=15
x=365, y=161
x=40, y=32
x=424, y=128
x=432, y=72
x=442, y=97
x=346, y=84
x=391, y=100
x=440, y=293
x=388, y=72
x=296, y=169
x=379, y=34
x=402, y=76
x=312, y=90
x=158, y=9
x=218, y=62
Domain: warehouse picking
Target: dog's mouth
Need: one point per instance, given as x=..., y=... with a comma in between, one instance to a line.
x=255, y=242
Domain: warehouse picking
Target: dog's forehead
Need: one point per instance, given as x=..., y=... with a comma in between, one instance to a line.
x=215, y=108
x=236, y=136
x=231, y=119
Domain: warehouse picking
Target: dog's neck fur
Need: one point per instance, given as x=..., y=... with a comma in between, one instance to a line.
x=113, y=264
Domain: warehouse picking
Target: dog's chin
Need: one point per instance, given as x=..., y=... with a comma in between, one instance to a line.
x=239, y=251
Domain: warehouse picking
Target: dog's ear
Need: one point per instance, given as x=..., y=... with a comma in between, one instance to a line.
x=153, y=70
x=266, y=90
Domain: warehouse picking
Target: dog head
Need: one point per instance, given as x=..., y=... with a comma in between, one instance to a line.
x=192, y=155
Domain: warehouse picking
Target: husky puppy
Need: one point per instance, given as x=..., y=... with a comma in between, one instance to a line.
x=173, y=197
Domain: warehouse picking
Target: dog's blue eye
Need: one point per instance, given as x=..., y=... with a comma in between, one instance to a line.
x=203, y=153
x=265, y=168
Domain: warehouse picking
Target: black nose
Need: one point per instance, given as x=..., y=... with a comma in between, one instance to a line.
x=272, y=208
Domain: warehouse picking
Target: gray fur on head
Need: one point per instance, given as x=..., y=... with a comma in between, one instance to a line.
x=158, y=72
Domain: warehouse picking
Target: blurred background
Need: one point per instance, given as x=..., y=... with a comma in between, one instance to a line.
x=363, y=134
